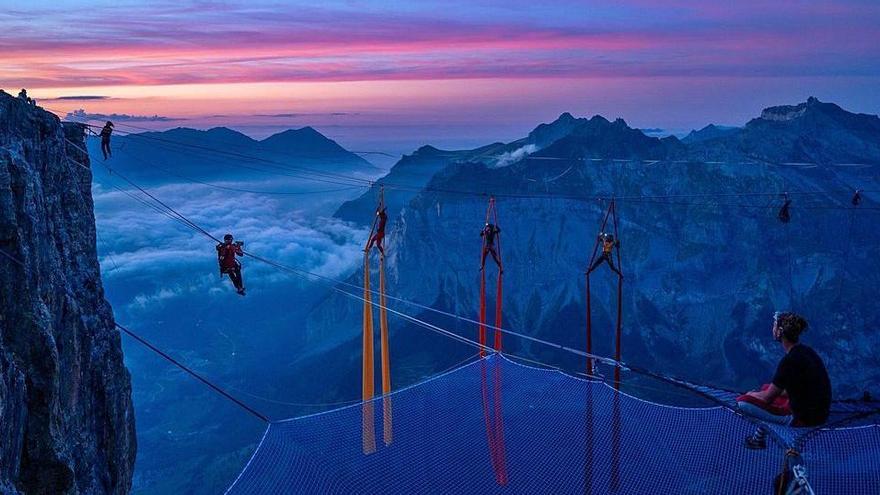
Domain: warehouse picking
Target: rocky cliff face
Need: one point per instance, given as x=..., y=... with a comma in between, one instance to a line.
x=703, y=275
x=66, y=417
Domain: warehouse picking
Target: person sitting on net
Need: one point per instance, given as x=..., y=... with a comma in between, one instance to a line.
x=226, y=253
x=607, y=256
x=801, y=376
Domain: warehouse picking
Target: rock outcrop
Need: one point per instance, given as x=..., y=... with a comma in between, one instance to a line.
x=66, y=416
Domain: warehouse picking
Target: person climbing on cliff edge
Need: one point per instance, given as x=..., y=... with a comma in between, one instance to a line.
x=226, y=253
x=379, y=237
x=800, y=375
x=23, y=96
x=489, y=232
x=105, y=139
x=607, y=256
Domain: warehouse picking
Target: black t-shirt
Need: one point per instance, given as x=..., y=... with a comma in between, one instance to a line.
x=802, y=374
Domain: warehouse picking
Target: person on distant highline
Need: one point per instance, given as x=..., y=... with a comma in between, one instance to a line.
x=379, y=237
x=226, y=253
x=489, y=232
x=800, y=375
x=105, y=139
x=607, y=256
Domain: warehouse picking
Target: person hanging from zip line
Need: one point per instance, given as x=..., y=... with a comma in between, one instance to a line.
x=607, y=256
x=800, y=377
x=489, y=232
x=229, y=265
x=378, y=238
x=105, y=139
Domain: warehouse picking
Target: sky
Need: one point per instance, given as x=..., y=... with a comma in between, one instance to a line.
x=391, y=76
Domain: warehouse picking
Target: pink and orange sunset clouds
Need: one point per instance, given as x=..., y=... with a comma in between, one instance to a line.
x=448, y=70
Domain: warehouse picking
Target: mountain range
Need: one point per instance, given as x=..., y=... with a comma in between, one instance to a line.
x=705, y=257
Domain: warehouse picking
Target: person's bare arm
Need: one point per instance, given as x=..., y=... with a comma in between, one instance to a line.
x=769, y=394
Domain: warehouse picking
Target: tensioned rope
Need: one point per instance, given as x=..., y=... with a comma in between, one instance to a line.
x=12, y=258
x=192, y=373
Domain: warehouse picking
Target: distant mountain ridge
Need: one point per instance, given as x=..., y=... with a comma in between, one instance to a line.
x=711, y=131
x=812, y=131
x=223, y=153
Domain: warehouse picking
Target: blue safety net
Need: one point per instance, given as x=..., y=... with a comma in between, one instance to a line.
x=844, y=460
x=496, y=426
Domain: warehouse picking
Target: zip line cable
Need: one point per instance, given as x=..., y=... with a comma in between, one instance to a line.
x=12, y=258
x=192, y=373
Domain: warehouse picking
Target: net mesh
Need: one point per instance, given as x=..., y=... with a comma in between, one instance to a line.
x=844, y=461
x=496, y=426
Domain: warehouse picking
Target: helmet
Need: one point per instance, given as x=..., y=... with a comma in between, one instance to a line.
x=227, y=237
x=110, y=123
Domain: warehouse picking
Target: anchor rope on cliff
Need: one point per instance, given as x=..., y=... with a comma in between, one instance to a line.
x=192, y=373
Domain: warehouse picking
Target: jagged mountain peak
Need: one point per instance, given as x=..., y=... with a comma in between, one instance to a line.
x=710, y=131
x=816, y=111
x=564, y=117
x=545, y=134
x=304, y=136
x=309, y=143
x=212, y=134
x=791, y=112
x=427, y=150
x=225, y=131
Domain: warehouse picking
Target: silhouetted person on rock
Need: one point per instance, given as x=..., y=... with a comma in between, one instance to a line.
x=229, y=265
x=607, y=256
x=489, y=232
x=105, y=139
